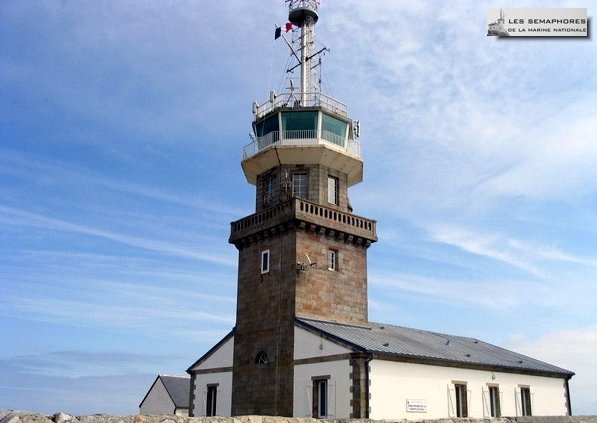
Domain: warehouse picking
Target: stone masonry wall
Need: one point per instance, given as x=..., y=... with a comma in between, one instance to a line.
x=25, y=417
x=335, y=295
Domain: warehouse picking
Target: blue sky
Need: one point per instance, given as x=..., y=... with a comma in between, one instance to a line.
x=121, y=131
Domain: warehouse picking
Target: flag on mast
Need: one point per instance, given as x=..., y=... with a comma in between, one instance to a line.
x=278, y=33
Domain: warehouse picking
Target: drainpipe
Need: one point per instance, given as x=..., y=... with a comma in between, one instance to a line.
x=568, y=395
x=368, y=384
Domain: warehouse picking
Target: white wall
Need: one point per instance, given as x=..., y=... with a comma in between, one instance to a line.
x=392, y=383
x=224, y=393
x=339, y=385
x=183, y=412
x=157, y=401
x=222, y=357
x=306, y=346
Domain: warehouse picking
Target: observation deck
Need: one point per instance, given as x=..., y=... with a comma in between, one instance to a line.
x=306, y=128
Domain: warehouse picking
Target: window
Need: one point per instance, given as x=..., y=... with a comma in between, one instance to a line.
x=299, y=185
x=299, y=124
x=494, y=402
x=333, y=129
x=332, y=260
x=211, y=400
x=268, y=190
x=262, y=358
x=461, y=400
x=265, y=261
x=320, y=397
x=525, y=401
x=332, y=190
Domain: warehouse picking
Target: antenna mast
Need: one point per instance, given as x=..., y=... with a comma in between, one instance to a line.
x=303, y=13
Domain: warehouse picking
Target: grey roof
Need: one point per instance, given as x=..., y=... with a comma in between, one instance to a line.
x=179, y=388
x=406, y=344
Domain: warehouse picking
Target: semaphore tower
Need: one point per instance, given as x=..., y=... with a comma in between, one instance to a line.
x=303, y=252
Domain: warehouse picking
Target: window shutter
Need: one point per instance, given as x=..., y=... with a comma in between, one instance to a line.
x=451, y=400
x=486, y=406
x=309, y=405
x=203, y=405
x=331, y=398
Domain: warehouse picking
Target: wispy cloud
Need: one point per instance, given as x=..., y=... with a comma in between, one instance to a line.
x=493, y=294
x=531, y=258
x=83, y=312
x=50, y=172
x=26, y=218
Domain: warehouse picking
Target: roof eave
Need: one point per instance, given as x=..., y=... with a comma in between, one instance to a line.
x=433, y=361
x=210, y=352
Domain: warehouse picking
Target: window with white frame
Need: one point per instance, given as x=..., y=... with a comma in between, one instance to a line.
x=494, y=402
x=211, y=400
x=333, y=190
x=332, y=260
x=461, y=400
x=265, y=261
x=268, y=190
x=320, y=397
x=299, y=185
x=525, y=401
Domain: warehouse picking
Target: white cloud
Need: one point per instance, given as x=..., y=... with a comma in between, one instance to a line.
x=531, y=258
x=575, y=350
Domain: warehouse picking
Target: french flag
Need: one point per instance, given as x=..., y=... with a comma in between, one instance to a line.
x=287, y=26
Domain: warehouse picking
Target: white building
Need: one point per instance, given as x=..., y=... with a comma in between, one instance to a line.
x=167, y=395
x=411, y=374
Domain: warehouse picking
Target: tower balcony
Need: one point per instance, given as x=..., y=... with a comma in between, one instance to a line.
x=303, y=128
x=303, y=137
x=304, y=213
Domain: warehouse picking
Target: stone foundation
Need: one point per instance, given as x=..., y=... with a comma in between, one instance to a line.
x=25, y=417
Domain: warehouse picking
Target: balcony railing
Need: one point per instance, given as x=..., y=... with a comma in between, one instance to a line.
x=306, y=211
x=351, y=147
x=292, y=100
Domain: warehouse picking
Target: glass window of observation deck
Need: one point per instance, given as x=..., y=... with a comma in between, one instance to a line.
x=267, y=126
x=299, y=124
x=333, y=129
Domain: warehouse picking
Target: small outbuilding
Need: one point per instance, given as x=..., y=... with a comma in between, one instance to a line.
x=167, y=395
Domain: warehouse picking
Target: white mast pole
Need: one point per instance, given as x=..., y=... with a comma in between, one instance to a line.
x=303, y=13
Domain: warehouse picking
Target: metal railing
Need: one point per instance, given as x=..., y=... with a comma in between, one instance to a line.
x=302, y=137
x=293, y=100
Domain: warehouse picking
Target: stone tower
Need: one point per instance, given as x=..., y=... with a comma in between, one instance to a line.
x=303, y=252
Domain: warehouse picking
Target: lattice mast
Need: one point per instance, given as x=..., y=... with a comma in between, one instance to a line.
x=303, y=14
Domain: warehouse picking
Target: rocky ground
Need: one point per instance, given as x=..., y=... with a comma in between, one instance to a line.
x=12, y=416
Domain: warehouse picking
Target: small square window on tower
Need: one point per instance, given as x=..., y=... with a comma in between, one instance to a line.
x=265, y=261
x=333, y=190
x=332, y=260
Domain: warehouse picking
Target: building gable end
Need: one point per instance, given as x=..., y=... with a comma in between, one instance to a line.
x=217, y=353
